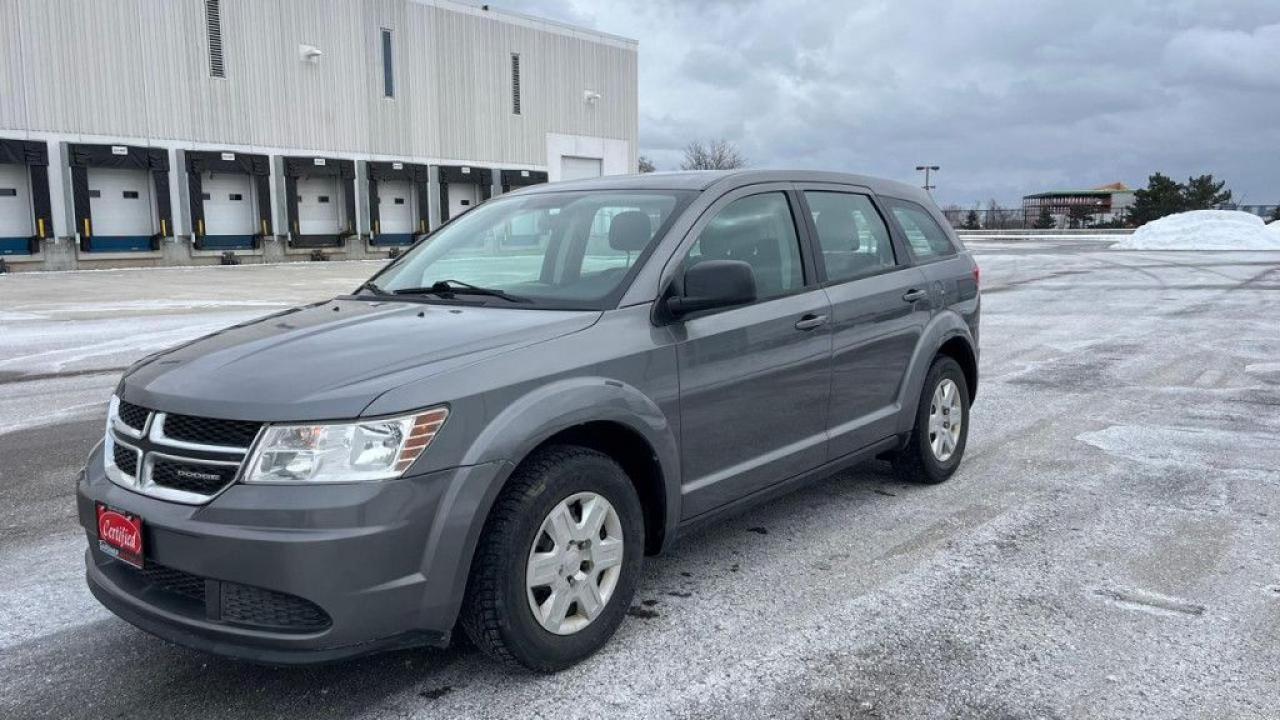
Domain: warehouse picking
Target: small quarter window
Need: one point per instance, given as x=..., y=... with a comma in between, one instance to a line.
x=925, y=237
x=236, y=197
x=8, y=192
x=323, y=199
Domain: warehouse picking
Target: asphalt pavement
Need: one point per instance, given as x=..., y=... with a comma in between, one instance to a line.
x=1107, y=549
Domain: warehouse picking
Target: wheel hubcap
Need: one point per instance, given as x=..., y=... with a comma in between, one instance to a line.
x=574, y=563
x=946, y=417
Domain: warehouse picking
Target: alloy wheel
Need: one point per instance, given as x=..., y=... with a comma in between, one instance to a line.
x=946, y=416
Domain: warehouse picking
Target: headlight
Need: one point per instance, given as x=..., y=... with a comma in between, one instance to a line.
x=344, y=452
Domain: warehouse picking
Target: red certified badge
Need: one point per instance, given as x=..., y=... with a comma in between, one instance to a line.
x=120, y=535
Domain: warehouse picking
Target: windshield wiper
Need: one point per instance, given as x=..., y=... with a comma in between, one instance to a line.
x=449, y=288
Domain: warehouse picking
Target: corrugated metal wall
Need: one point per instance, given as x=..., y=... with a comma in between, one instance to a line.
x=139, y=68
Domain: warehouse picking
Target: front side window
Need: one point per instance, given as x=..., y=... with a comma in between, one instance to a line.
x=851, y=235
x=925, y=237
x=570, y=250
x=760, y=231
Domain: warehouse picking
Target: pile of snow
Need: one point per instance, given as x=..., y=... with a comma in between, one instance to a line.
x=1204, y=230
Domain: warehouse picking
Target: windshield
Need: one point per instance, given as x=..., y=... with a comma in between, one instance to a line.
x=570, y=250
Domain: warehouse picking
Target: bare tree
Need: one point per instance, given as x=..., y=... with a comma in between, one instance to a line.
x=712, y=155
x=998, y=217
x=646, y=165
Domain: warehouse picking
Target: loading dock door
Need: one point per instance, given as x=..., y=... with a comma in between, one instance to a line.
x=319, y=205
x=462, y=197
x=397, y=207
x=230, y=208
x=578, y=168
x=15, y=203
x=120, y=201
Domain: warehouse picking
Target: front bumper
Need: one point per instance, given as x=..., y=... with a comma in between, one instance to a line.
x=296, y=574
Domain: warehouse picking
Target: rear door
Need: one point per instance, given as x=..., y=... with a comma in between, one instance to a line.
x=949, y=273
x=880, y=305
x=753, y=379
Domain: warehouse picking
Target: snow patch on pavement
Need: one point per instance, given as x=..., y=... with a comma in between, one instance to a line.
x=1169, y=447
x=45, y=590
x=1204, y=230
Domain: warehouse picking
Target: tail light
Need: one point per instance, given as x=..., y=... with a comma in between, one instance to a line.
x=977, y=275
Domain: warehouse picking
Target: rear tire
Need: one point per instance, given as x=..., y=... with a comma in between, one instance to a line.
x=499, y=607
x=935, y=447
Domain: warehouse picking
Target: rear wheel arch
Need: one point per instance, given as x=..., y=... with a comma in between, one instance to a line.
x=958, y=348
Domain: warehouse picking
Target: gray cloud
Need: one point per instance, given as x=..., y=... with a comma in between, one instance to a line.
x=1008, y=96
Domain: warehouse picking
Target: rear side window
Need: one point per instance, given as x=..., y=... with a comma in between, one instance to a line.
x=925, y=237
x=851, y=234
x=760, y=231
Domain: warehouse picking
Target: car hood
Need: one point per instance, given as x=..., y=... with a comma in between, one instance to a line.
x=330, y=360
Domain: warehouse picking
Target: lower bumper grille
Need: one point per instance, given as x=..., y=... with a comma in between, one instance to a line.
x=246, y=605
x=233, y=603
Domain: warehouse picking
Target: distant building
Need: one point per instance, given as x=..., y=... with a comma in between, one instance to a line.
x=176, y=130
x=1105, y=203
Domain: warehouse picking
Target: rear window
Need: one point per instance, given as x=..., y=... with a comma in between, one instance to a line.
x=924, y=236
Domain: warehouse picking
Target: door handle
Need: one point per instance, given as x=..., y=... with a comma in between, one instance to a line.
x=914, y=295
x=811, y=321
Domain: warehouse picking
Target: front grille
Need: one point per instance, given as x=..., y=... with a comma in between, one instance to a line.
x=211, y=431
x=181, y=458
x=125, y=459
x=247, y=605
x=133, y=416
x=192, y=477
x=174, y=581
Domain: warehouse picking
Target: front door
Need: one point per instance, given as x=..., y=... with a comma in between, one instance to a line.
x=880, y=305
x=753, y=379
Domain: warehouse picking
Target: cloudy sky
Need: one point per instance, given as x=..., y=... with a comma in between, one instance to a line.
x=1008, y=96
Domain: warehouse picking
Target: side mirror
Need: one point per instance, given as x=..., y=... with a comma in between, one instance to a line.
x=714, y=284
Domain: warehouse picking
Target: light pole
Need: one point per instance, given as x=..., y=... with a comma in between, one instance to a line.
x=928, y=169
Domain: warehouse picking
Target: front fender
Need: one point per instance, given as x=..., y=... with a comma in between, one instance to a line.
x=944, y=326
x=530, y=419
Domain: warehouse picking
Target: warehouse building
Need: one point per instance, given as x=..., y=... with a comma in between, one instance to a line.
x=174, y=132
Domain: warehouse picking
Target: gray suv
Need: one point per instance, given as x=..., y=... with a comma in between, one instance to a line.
x=498, y=427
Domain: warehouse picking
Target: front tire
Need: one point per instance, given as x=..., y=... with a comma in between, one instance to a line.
x=937, y=441
x=558, y=560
